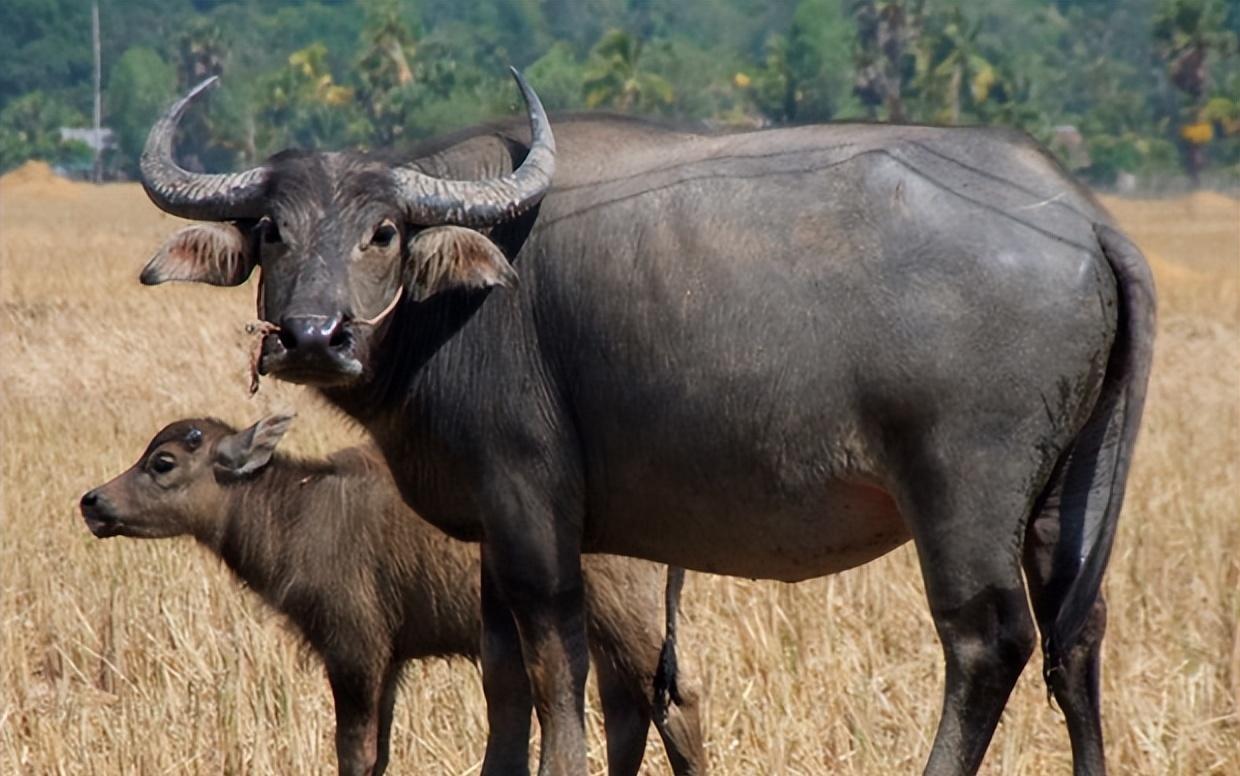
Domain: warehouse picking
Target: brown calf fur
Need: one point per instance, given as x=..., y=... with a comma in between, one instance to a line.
x=370, y=585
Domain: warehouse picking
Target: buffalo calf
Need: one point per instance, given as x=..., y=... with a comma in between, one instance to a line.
x=370, y=585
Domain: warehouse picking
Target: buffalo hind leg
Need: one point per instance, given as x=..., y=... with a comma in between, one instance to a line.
x=1075, y=682
x=968, y=544
x=505, y=684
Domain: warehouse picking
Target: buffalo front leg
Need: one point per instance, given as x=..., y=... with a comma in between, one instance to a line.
x=505, y=684
x=968, y=539
x=541, y=583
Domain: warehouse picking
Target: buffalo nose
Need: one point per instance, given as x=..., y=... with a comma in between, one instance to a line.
x=90, y=499
x=312, y=333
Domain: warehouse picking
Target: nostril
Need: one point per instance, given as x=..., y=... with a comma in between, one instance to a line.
x=90, y=499
x=314, y=334
x=339, y=338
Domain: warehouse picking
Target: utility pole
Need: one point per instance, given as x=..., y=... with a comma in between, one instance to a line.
x=98, y=144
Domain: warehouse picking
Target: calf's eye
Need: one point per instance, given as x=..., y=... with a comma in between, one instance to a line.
x=162, y=463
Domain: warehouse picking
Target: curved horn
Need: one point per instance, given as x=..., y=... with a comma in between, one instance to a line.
x=431, y=201
x=192, y=195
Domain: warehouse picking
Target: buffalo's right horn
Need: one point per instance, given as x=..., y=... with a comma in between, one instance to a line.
x=197, y=196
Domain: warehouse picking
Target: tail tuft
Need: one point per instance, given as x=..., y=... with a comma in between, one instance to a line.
x=665, y=675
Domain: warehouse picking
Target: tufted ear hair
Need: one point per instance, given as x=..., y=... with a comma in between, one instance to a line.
x=215, y=253
x=445, y=257
x=245, y=452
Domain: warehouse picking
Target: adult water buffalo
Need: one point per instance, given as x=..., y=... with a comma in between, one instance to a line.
x=775, y=354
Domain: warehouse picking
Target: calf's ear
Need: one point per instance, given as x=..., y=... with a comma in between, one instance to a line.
x=445, y=257
x=245, y=452
x=218, y=254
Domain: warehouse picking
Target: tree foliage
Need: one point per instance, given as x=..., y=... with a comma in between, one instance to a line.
x=140, y=86
x=1137, y=80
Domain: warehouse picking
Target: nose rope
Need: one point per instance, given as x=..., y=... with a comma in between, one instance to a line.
x=258, y=329
x=375, y=321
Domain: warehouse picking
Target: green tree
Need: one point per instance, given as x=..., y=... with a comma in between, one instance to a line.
x=1189, y=33
x=558, y=76
x=884, y=58
x=804, y=76
x=384, y=70
x=304, y=106
x=45, y=47
x=140, y=86
x=615, y=77
x=30, y=129
x=953, y=71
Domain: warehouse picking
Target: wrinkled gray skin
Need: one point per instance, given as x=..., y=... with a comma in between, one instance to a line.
x=369, y=585
x=777, y=354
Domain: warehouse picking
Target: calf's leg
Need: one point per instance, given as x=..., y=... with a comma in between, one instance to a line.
x=387, y=702
x=356, y=691
x=626, y=719
x=623, y=609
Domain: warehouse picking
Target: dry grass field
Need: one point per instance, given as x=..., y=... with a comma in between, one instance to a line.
x=146, y=658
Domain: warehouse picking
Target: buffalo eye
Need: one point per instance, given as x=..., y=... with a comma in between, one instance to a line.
x=162, y=463
x=271, y=232
x=384, y=234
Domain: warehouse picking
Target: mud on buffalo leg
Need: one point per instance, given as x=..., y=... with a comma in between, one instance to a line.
x=968, y=529
x=505, y=683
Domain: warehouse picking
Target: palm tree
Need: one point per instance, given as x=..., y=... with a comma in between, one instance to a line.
x=1187, y=32
x=952, y=69
x=614, y=77
x=887, y=34
x=384, y=69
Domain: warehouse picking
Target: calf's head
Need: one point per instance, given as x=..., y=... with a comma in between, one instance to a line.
x=342, y=239
x=178, y=485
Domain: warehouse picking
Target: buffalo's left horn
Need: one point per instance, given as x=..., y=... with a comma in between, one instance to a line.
x=432, y=201
x=198, y=196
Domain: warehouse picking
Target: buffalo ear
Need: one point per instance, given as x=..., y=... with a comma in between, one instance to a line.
x=245, y=452
x=218, y=254
x=445, y=257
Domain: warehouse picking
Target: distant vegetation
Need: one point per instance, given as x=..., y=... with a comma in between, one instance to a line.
x=1151, y=87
